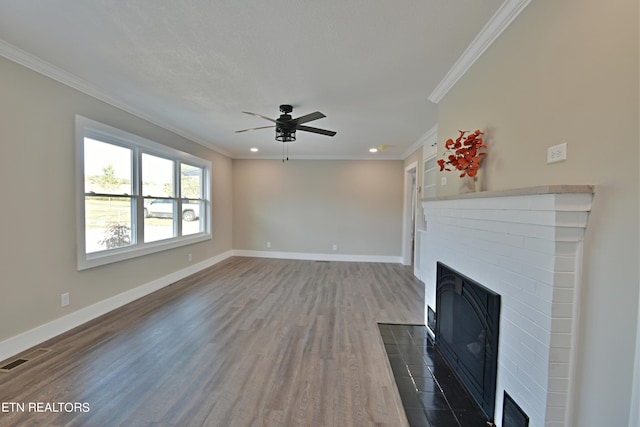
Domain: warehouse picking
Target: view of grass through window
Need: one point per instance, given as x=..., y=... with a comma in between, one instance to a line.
x=111, y=197
x=108, y=201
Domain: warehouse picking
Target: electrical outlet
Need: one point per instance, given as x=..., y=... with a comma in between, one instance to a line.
x=190, y=257
x=335, y=248
x=557, y=153
x=443, y=180
x=268, y=245
x=64, y=299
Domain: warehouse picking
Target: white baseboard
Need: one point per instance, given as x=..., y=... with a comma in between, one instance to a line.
x=19, y=343
x=318, y=256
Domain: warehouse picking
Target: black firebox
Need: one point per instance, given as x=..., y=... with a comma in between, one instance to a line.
x=467, y=326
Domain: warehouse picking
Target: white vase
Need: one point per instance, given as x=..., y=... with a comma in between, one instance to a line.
x=467, y=184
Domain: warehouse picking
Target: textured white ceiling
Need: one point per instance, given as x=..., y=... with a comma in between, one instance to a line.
x=195, y=65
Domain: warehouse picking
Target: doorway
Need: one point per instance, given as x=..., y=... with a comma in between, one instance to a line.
x=409, y=220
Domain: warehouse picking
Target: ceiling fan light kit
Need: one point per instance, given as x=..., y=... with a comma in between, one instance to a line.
x=283, y=135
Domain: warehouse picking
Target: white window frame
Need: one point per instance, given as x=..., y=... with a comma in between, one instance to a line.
x=90, y=128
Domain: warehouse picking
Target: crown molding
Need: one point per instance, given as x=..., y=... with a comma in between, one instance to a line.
x=47, y=69
x=503, y=17
x=292, y=157
x=429, y=135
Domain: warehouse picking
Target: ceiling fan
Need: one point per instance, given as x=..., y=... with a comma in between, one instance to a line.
x=286, y=126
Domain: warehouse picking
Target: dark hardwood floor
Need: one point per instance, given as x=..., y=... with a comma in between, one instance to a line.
x=248, y=342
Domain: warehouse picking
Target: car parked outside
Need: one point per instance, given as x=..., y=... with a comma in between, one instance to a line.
x=163, y=208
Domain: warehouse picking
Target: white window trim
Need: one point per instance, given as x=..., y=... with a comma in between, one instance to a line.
x=106, y=133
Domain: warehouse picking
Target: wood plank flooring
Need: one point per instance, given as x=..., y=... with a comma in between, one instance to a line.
x=247, y=342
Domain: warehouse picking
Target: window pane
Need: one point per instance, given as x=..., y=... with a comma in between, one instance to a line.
x=191, y=181
x=118, y=175
x=107, y=168
x=107, y=223
x=158, y=219
x=157, y=176
x=191, y=220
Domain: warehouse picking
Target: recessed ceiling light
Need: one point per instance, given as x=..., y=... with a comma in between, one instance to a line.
x=254, y=150
x=373, y=150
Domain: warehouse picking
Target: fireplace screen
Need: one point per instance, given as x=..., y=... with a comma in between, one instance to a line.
x=467, y=320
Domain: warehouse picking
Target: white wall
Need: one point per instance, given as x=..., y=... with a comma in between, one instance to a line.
x=567, y=71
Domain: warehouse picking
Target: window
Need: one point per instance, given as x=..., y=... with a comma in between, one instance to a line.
x=136, y=196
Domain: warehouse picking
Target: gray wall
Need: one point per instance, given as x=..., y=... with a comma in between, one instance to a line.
x=307, y=206
x=38, y=223
x=301, y=206
x=567, y=71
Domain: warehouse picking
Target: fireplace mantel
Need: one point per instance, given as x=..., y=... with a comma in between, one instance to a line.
x=527, y=191
x=526, y=245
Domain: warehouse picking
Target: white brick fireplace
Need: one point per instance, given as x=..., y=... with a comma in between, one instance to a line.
x=525, y=245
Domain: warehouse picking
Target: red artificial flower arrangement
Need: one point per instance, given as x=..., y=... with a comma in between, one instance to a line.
x=464, y=153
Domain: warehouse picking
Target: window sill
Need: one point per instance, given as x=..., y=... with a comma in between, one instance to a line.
x=107, y=257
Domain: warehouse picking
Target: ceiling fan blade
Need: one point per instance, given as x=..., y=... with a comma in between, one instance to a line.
x=260, y=115
x=309, y=117
x=316, y=130
x=261, y=127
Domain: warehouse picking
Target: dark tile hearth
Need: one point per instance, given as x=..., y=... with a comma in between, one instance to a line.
x=432, y=396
